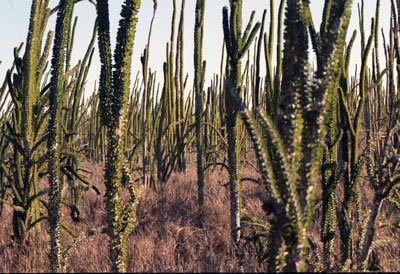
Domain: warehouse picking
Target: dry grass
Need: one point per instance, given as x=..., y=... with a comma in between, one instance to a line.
x=169, y=237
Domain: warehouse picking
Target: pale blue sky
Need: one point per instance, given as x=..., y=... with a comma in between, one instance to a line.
x=14, y=17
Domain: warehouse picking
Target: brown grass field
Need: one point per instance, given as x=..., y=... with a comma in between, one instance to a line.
x=169, y=237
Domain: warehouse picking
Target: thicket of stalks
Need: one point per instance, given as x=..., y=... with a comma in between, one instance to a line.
x=320, y=144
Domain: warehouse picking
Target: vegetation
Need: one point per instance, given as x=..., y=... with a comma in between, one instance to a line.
x=309, y=156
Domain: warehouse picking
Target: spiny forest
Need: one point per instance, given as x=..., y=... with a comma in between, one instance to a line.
x=278, y=164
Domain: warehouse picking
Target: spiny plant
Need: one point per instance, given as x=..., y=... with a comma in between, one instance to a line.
x=73, y=113
x=180, y=87
x=26, y=130
x=21, y=168
x=54, y=129
x=307, y=127
x=343, y=132
x=333, y=171
x=173, y=125
x=114, y=94
x=237, y=45
x=145, y=61
x=381, y=119
x=199, y=72
x=289, y=148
